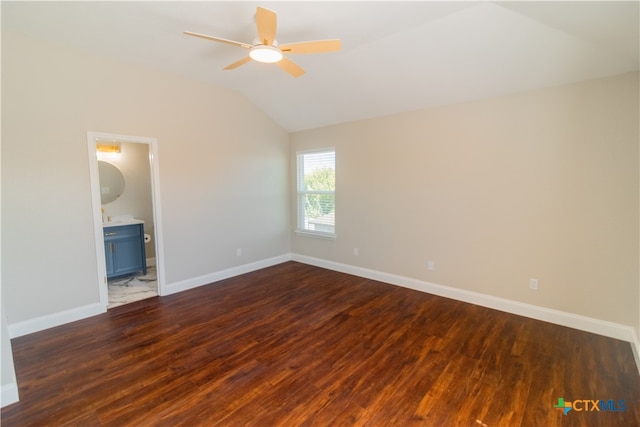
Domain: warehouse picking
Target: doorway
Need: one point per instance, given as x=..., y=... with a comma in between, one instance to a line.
x=134, y=209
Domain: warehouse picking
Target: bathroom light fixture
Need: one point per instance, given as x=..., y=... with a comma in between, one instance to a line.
x=108, y=148
x=264, y=53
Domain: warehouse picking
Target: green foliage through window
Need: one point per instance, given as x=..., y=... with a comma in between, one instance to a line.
x=318, y=205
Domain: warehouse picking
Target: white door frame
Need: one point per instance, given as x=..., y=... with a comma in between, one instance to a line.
x=94, y=175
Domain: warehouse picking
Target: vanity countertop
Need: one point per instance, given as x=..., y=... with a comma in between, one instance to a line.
x=119, y=223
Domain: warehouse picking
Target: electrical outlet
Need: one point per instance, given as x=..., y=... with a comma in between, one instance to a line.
x=356, y=252
x=239, y=251
x=533, y=284
x=430, y=265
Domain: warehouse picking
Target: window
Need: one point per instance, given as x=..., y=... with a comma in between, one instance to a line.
x=316, y=192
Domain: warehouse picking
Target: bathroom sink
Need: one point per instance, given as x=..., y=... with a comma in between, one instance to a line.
x=122, y=222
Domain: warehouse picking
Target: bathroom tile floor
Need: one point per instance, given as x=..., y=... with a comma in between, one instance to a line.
x=126, y=289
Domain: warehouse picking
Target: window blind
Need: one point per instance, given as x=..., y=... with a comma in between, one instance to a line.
x=316, y=192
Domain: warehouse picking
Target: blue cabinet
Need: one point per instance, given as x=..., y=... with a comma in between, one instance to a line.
x=124, y=249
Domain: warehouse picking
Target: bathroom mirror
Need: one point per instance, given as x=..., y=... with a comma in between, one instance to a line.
x=111, y=182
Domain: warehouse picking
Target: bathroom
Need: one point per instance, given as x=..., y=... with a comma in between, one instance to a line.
x=132, y=202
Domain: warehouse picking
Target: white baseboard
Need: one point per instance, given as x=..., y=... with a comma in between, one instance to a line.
x=9, y=394
x=588, y=324
x=206, y=279
x=635, y=348
x=54, y=319
x=151, y=262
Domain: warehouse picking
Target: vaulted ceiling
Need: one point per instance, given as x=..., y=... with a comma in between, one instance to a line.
x=395, y=57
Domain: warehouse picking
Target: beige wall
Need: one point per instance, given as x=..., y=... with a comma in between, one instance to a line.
x=537, y=185
x=223, y=172
x=8, y=384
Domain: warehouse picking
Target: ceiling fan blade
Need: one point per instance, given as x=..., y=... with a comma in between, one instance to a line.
x=266, y=21
x=290, y=67
x=218, y=39
x=238, y=63
x=316, y=46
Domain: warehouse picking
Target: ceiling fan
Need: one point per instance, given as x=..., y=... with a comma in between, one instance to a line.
x=267, y=49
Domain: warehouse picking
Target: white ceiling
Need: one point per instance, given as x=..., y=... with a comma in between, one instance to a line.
x=395, y=57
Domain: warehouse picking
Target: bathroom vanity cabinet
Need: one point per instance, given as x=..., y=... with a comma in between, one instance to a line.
x=124, y=249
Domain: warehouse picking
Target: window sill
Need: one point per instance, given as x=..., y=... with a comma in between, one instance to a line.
x=317, y=235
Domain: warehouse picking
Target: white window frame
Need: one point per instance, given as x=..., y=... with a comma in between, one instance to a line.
x=301, y=192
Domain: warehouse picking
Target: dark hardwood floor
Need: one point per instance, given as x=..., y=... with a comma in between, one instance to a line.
x=298, y=345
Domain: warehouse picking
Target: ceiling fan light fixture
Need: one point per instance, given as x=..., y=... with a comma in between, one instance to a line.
x=266, y=54
x=265, y=47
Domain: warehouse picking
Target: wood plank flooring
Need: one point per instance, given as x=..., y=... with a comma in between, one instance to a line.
x=295, y=345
